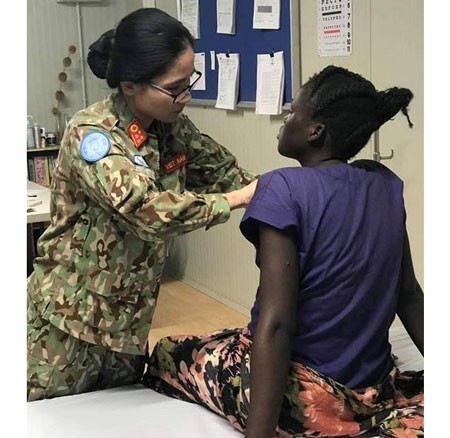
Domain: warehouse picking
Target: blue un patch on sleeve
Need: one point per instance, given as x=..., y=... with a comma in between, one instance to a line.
x=94, y=146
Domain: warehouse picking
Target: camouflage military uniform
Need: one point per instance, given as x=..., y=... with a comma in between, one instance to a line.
x=95, y=283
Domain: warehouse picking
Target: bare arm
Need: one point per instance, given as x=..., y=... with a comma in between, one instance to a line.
x=241, y=197
x=271, y=348
x=410, y=307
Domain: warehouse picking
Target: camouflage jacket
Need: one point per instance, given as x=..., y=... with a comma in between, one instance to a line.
x=100, y=261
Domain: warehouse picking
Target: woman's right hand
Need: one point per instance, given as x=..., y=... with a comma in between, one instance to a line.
x=241, y=198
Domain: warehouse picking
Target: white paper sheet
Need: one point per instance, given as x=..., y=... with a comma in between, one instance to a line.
x=228, y=83
x=213, y=59
x=199, y=65
x=226, y=10
x=132, y=411
x=266, y=14
x=190, y=16
x=270, y=83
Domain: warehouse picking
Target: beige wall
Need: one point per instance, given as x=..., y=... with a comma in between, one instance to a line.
x=51, y=28
x=388, y=49
x=220, y=262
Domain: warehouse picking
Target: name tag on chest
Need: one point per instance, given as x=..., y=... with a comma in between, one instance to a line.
x=174, y=162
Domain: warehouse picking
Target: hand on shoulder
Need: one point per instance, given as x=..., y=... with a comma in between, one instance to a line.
x=241, y=198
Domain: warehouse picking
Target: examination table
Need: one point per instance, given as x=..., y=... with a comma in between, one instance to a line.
x=137, y=412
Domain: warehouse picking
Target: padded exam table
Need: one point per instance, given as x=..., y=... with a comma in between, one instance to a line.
x=135, y=411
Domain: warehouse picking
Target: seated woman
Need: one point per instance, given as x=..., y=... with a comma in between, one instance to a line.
x=335, y=269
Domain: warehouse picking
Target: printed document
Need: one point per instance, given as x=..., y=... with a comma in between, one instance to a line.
x=190, y=16
x=226, y=16
x=266, y=14
x=228, y=84
x=270, y=83
x=199, y=65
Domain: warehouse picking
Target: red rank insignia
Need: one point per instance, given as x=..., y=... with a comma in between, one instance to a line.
x=136, y=133
x=175, y=162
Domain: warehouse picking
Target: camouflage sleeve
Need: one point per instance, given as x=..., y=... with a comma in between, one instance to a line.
x=210, y=166
x=131, y=193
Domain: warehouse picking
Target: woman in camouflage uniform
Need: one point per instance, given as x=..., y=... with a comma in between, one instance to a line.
x=132, y=172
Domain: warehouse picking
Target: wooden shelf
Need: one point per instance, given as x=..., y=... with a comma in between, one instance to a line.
x=42, y=150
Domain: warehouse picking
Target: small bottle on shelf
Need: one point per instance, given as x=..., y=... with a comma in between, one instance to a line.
x=30, y=133
x=37, y=135
x=51, y=139
x=42, y=138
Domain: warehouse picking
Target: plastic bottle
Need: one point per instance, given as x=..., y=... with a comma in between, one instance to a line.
x=37, y=135
x=42, y=138
x=30, y=133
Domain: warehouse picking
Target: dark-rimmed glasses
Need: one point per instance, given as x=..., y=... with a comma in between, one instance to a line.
x=183, y=93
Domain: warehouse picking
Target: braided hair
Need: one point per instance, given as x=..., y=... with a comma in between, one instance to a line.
x=351, y=108
x=144, y=45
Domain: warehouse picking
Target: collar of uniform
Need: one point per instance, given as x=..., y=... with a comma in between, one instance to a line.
x=125, y=116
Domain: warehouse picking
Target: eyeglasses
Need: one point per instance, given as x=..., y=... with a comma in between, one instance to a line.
x=183, y=93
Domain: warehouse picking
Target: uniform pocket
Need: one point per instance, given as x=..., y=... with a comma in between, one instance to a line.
x=100, y=299
x=112, y=300
x=51, y=353
x=80, y=232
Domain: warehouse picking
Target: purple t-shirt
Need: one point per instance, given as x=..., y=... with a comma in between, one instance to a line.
x=349, y=222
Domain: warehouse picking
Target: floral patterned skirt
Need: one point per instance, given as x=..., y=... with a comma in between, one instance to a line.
x=214, y=371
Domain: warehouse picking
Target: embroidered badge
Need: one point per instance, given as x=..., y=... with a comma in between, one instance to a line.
x=139, y=160
x=175, y=162
x=136, y=133
x=94, y=146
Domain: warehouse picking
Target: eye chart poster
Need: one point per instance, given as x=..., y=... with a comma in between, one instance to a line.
x=335, y=31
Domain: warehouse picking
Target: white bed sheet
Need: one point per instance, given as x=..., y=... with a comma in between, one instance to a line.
x=137, y=412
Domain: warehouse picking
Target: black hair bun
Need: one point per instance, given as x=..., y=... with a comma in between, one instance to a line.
x=98, y=56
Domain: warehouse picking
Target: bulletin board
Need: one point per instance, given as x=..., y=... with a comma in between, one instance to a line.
x=248, y=42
